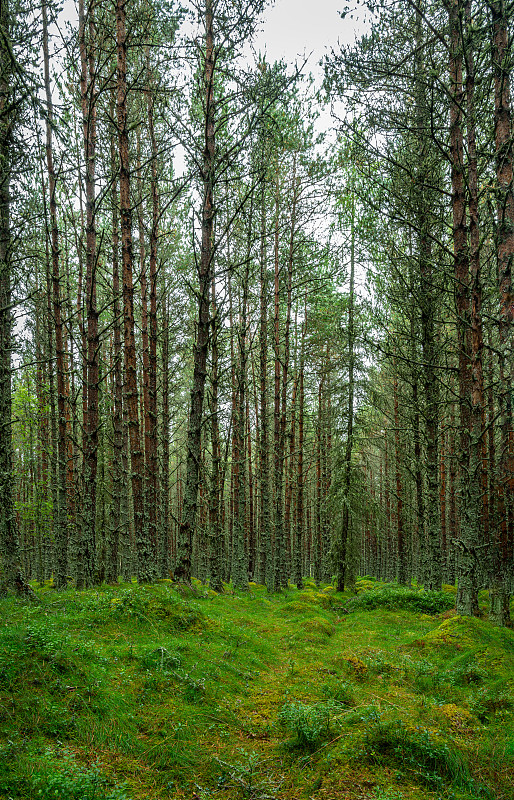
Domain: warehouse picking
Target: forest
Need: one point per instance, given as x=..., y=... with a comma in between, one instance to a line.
x=238, y=348
x=256, y=404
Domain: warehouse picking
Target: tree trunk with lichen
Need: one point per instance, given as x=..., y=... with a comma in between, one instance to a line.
x=11, y=578
x=205, y=264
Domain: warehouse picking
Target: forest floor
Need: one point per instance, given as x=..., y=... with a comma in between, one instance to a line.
x=147, y=693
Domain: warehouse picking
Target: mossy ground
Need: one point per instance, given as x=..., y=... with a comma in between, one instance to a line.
x=148, y=692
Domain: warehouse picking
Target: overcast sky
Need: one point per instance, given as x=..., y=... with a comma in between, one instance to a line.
x=298, y=27
x=293, y=28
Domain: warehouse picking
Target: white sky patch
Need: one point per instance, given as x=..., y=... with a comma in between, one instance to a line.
x=294, y=29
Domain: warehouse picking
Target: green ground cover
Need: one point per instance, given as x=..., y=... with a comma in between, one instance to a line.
x=149, y=692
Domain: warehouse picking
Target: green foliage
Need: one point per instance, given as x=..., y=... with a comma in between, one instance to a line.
x=67, y=780
x=431, y=758
x=387, y=794
x=160, y=658
x=149, y=603
x=108, y=672
x=379, y=664
x=309, y=724
x=340, y=692
x=400, y=598
x=248, y=776
x=193, y=688
x=39, y=643
x=459, y=672
x=489, y=700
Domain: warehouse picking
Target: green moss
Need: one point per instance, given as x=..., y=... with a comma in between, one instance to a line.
x=159, y=688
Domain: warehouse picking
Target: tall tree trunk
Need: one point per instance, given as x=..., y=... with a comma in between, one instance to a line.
x=300, y=476
x=88, y=104
x=115, y=520
x=343, y=533
x=502, y=567
x=400, y=522
x=61, y=512
x=252, y=548
x=265, y=562
x=164, y=505
x=144, y=566
x=282, y=579
x=152, y=466
x=478, y=531
x=215, y=527
x=205, y=266
x=466, y=556
x=239, y=549
x=433, y=573
x=279, y=577
x=12, y=578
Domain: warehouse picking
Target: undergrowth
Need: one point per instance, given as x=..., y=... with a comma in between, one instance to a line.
x=148, y=693
x=399, y=597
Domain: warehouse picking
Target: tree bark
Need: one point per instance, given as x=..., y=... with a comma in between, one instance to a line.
x=12, y=578
x=502, y=563
x=144, y=567
x=61, y=512
x=341, y=544
x=205, y=266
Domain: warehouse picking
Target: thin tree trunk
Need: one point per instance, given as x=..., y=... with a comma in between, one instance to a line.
x=144, y=567
x=12, y=578
x=466, y=557
x=205, y=266
x=300, y=477
x=341, y=542
x=115, y=520
x=152, y=467
x=479, y=527
x=265, y=562
x=499, y=611
x=164, y=506
x=400, y=530
x=61, y=512
x=88, y=104
x=433, y=572
x=215, y=527
x=278, y=579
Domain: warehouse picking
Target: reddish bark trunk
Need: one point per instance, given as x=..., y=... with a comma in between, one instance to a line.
x=131, y=389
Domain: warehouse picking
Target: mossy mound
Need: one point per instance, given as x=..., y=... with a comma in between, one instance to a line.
x=319, y=626
x=147, y=603
x=296, y=607
x=459, y=633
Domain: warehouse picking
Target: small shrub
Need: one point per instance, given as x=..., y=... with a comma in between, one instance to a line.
x=490, y=700
x=12, y=652
x=309, y=724
x=145, y=604
x=339, y=692
x=248, y=776
x=387, y=794
x=369, y=715
x=430, y=758
x=71, y=781
x=161, y=659
x=194, y=688
x=398, y=598
x=378, y=665
x=460, y=719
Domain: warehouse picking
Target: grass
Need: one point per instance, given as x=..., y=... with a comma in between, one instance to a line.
x=133, y=693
